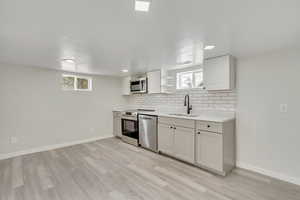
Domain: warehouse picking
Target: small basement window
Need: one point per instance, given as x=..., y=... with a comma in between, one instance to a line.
x=189, y=79
x=76, y=83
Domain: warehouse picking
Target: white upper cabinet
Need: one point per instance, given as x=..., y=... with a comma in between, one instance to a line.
x=154, y=82
x=126, y=85
x=158, y=82
x=219, y=73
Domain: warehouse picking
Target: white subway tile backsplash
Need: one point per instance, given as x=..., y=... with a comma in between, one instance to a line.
x=201, y=100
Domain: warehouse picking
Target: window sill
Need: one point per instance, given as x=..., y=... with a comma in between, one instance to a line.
x=190, y=89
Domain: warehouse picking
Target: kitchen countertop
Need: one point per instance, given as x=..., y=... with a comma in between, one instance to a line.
x=213, y=116
x=205, y=116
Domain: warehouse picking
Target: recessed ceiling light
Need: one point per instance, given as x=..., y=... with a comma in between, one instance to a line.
x=68, y=60
x=68, y=64
x=124, y=70
x=209, y=47
x=142, y=5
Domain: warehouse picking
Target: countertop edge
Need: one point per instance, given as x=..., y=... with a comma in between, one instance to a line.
x=200, y=118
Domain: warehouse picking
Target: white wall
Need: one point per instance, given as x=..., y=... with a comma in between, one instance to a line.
x=34, y=109
x=267, y=140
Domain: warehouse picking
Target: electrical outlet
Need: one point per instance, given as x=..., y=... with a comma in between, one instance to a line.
x=13, y=140
x=283, y=108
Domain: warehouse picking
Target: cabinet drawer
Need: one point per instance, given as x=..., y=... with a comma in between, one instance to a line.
x=177, y=122
x=209, y=126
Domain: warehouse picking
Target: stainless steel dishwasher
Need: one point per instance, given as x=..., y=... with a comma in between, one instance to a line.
x=148, y=131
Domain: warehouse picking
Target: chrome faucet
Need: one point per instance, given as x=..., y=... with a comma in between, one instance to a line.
x=187, y=104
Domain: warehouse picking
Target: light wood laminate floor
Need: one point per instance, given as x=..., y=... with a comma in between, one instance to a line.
x=110, y=169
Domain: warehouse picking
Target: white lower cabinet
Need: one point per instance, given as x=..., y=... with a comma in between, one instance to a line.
x=165, y=138
x=177, y=141
x=117, y=124
x=209, y=151
x=184, y=139
x=206, y=144
x=215, y=146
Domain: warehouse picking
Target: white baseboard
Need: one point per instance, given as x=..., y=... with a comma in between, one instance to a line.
x=270, y=173
x=51, y=147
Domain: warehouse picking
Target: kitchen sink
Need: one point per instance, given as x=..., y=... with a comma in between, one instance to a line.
x=183, y=115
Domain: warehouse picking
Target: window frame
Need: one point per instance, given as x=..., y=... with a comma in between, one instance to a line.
x=178, y=74
x=89, y=79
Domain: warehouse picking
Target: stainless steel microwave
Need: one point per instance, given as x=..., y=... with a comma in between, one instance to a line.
x=138, y=85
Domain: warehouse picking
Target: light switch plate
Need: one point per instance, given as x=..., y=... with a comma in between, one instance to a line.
x=283, y=108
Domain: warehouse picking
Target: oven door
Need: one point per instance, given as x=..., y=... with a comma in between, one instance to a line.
x=130, y=132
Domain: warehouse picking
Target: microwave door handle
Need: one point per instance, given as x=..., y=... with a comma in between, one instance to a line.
x=143, y=82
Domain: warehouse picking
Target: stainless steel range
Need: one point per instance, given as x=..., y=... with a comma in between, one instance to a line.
x=130, y=129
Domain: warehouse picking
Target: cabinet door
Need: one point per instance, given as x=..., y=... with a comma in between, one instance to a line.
x=115, y=131
x=184, y=144
x=126, y=85
x=117, y=127
x=154, y=82
x=218, y=73
x=168, y=80
x=209, y=150
x=165, y=138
